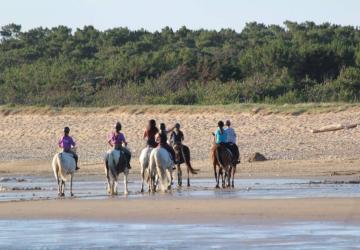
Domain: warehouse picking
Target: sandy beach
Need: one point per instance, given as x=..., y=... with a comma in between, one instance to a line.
x=28, y=142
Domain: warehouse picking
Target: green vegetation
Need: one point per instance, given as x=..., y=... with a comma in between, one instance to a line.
x=269, y=64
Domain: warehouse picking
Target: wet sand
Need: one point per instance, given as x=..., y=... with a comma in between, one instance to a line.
x=266, y=193
x=170, y=210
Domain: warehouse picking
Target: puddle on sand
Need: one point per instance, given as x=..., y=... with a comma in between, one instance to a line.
x=45, y=188
x=66, y=234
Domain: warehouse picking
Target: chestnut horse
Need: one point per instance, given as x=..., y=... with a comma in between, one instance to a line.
x=223, y=165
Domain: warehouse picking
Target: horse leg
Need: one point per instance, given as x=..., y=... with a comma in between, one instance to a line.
x=169, y=176
x=71, y=177
x=107, y=177
x=62, y=188
x=142, y=180
x=216, y=176
x=228, y=177
x=59, y=184
x=179, y=174
x=126, y=191
x=233, y=175
x=116, y=187
x=188, y=177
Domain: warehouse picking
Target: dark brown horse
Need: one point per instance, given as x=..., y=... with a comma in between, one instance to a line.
x=182, y=154
x=223, y=165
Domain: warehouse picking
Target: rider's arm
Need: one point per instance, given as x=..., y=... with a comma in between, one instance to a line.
x=110, y=141
x=73, y=142
x=60, y=142
x=145, y=135
x=124, y=140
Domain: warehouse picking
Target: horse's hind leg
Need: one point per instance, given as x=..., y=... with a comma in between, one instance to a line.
x=233, y=175
x=126, y=191
x=71, y=184
x=59, y=184
x=223, y=177
x=179, y=175
x=188, y=177
x=142, y=179
x=62, y=188
x=216, y=176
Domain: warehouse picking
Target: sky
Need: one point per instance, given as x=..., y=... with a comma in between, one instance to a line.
x=155, y=14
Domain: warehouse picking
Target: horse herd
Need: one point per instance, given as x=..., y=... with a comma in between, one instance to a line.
x=156, y=168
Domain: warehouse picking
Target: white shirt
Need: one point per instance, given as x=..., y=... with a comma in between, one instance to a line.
x=231, y=135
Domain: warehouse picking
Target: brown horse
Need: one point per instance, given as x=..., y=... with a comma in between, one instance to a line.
x=223, y=165
x=182, y=154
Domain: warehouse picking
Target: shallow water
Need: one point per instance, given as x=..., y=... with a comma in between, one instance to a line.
x=30, y=188
x=66, y=234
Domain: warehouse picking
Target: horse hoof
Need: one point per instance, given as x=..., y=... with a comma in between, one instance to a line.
x=72, y=194
x=217, y=186
x=188, y=184
x=142, y=191
x=126, y=192
x=62, y=195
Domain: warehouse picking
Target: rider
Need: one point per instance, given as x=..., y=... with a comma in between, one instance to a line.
x=117, y=139
x=67, y=143
x=177, y=136
x=161, y=139
x=150, y=133
x=220, y=134
x=231, y=141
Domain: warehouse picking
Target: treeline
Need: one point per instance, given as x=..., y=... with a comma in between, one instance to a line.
x=297, y=62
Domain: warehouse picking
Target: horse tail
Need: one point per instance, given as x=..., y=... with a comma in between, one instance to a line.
x=218, y=157
x=186, y=156
x=160, y=171
x=60, y=168
x=112, y=166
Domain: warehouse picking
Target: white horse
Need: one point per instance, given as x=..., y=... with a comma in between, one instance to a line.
x=63, y=165
x=160, y=169
x=113, y=169
x=144, y=165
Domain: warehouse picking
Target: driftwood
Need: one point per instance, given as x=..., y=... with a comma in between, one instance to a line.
x=334, y=128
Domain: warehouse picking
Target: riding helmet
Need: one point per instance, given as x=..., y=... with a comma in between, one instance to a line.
x=66, y=130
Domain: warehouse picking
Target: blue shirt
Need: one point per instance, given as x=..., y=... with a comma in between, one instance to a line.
x=219, y=138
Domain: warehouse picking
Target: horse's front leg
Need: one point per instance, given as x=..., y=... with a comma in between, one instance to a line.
x=71, y=184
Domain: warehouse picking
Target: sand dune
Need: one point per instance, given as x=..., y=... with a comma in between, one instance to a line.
x=278, y=136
